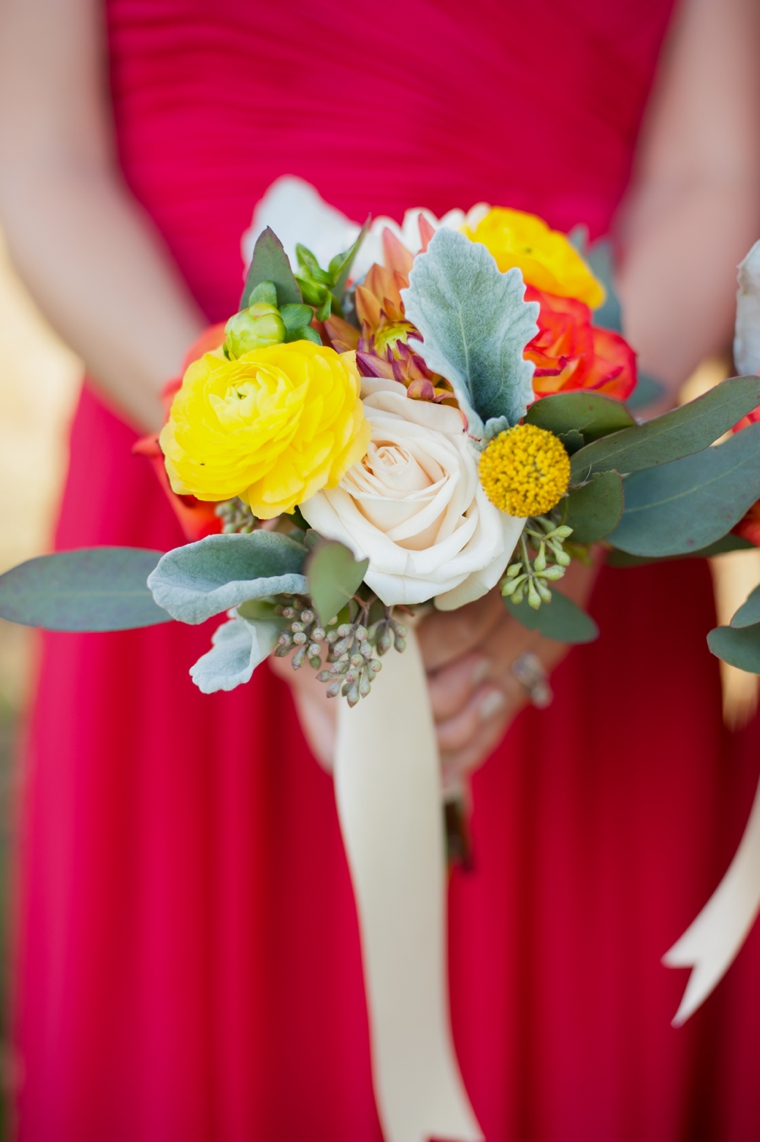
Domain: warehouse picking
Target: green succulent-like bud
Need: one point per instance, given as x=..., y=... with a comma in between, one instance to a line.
x=253, y=328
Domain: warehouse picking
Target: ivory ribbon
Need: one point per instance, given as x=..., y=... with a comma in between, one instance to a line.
x=711, y=943
x=388, y=791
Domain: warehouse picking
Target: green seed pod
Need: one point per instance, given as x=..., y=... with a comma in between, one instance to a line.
x=315, y=662
x=364, y=684
x=540, y=561
x=334, y=690
x=253, y=328
x=553, y=573
x=534, y=599
x=513, y=570
x=544, y=592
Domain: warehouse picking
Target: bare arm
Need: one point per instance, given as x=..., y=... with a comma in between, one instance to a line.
x=694, y=207
x=87, y=252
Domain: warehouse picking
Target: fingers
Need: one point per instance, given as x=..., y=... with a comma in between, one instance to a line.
x=316, y=712
x=447, y=635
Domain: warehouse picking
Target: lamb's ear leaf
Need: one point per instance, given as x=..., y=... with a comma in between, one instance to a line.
x=89, y=589
x=738, y=647
x=334, y=577
x=475, y=324
x=595, y=509
x=592, y=414
x=203, y=579
x=561, y=619
x=681, y=432
x=749, y=612
x=270, y=263
x=687, y=505
x=237, y=649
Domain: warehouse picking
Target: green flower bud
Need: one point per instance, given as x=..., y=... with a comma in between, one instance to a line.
x=253, y=328
x=534, y=600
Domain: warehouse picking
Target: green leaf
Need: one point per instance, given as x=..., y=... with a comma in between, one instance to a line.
x=266, y=292
x=594, y=510
x=340, y=266
x=270, y=264
x=203, y=579
x=682, y=432
x=334, y=577
x=690, y=503
x=572, y=440
x=475, y=324
x=740, y=648
x=730, y=542
x=749, y=612
x=591, y=414
x=295, y=317
x=91, y=589
x=237, y=649
x=561, y=619
x=310, y=267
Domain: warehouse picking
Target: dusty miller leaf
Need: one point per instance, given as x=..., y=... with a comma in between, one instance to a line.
x=203, y=579
x=237, y=649
x=475, y=324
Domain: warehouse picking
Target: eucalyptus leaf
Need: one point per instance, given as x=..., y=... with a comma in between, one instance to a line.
x=203, y=579
x=475, y=324
x=238, y=646
x=334, y=577
x=682, y=432
x=740, y=648
x=572, y=440
x=749, y=612
x=592, y=414
x=730, y=542
x=270, y=264
x=90, y=589
x=690, y=503
x=561, y=619
x=594, y=510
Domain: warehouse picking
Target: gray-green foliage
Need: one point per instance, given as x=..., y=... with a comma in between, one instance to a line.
x=739, y=647
x=270, y=263
x=90, y=589
x=562, y=619
x=682, y=432
x=475, y=324
x=692, y=502
x=749, y=611
x=203, y=579
x=334, y=576
x=595, y=509
x=592, y=415
x=238, y=646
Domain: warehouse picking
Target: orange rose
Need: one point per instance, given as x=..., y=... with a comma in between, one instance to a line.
x=571, y=353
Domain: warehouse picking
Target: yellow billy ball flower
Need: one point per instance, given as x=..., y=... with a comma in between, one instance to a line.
x=524, y=471
x=273, y=427
x=545, y=256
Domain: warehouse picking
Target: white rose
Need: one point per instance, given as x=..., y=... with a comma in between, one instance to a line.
x=414, y=505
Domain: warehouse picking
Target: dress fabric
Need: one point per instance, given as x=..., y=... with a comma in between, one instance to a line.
x=189, y=964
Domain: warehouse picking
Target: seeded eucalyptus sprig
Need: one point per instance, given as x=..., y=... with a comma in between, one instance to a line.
x=350, y=663
x=539, y=558
x=237, y=518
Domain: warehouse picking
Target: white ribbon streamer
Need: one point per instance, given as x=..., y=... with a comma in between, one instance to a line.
x=387, y=787
x=711, y=943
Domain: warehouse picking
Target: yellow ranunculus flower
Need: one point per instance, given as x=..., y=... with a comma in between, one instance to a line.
x=545, y=256
x=273, y=427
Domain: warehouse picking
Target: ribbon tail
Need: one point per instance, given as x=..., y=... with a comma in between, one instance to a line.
x=710, y=944
x=388, y=792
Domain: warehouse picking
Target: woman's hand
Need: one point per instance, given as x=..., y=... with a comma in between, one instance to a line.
x=469, y=655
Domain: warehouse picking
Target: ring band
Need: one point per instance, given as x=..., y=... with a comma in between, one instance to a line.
x=531, y=675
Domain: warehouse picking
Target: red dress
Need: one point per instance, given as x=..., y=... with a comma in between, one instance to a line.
x=189, y=958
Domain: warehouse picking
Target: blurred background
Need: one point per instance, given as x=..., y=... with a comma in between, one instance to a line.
x=39, y=383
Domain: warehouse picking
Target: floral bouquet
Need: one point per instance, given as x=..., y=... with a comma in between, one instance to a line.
x=411, y=420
